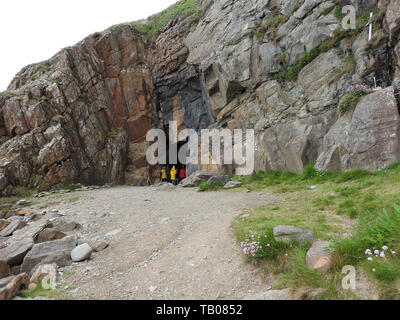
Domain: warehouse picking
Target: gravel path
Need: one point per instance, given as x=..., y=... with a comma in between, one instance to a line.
x=164, y=244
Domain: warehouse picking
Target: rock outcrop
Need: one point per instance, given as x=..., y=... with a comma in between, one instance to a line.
x=278, y=67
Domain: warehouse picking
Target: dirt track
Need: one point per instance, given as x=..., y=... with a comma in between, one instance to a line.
x=164, y=244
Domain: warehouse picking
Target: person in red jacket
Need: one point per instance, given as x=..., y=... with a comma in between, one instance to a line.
x=182, y=174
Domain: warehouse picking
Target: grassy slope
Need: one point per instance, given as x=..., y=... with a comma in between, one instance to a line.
x=347, y=209
x=150, y=27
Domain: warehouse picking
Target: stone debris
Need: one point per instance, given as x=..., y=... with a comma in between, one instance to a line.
x=232, y=184
x=291, y=233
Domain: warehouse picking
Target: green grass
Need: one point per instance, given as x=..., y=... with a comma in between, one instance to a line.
x=273, y=23
x=46, y=68
x=204, y=186
x=350, y=101
x=338, y=13
x=328, y=10
x=7, y=93
x=41, y=292
x=150, y=28
x=292, y=72
x=354, y=211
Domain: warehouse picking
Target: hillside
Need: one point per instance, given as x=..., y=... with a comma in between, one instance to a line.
x=282, y=68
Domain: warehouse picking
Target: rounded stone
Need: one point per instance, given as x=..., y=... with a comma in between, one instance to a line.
x=99, y=245
x=81, y=253
x=32, y=287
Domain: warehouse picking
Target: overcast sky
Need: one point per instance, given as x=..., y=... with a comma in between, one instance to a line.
x=34, y=30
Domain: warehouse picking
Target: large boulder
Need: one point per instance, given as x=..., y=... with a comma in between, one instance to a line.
x=15, y=251
x=12, y=288
x=366, y=137
x=57, y=251
x=3, y=223
x=195, y=179
x=49, y=234
x=63, y=224
x=392, y=19
x=318, y=257
x=22, y=240
x=4, y=269
x=291, y=233
x=12, y=227
x=219, y=180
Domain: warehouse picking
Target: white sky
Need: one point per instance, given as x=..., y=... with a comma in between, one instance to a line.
x=34, y=30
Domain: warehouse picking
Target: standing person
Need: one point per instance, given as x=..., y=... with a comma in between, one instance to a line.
x=182, y=174
x=173, y=176
x=163, y=174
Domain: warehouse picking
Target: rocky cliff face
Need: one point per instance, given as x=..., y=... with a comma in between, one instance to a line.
x=280, y=67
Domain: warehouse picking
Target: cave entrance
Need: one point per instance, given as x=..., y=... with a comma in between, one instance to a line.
x=180, y=145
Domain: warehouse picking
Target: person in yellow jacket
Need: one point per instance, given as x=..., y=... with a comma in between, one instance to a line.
x=173, y=173
x=163, y=174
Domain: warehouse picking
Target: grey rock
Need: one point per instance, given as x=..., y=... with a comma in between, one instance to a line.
x=99, y=245
x=364, y=138
x=13, y=226
x=3, y=223
x=4, y=269
x=232, y=184
x=15, y=251
x=291, y=233
x=3, y=182
x=5, y=281
x=195, y=179
x=11, y=289
x=63, y=225
x=23, y=202
x=81, y=253
x=392, y=18
x=219, y=180
x=32, y=230
x=57, y=251
x=318, y=257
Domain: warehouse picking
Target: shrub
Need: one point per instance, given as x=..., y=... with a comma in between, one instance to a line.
x=204, y=186
x=350, y=100
x=328, y=10
x=274, y=22
x=310, y=171
x=338, y=13
x=352, y=175
x=183, y=9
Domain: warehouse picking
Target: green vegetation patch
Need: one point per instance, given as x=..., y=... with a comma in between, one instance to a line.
x=151, y=27
x=205, y=186
x=354, y=211
x=350, y=100
x=273, y=23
